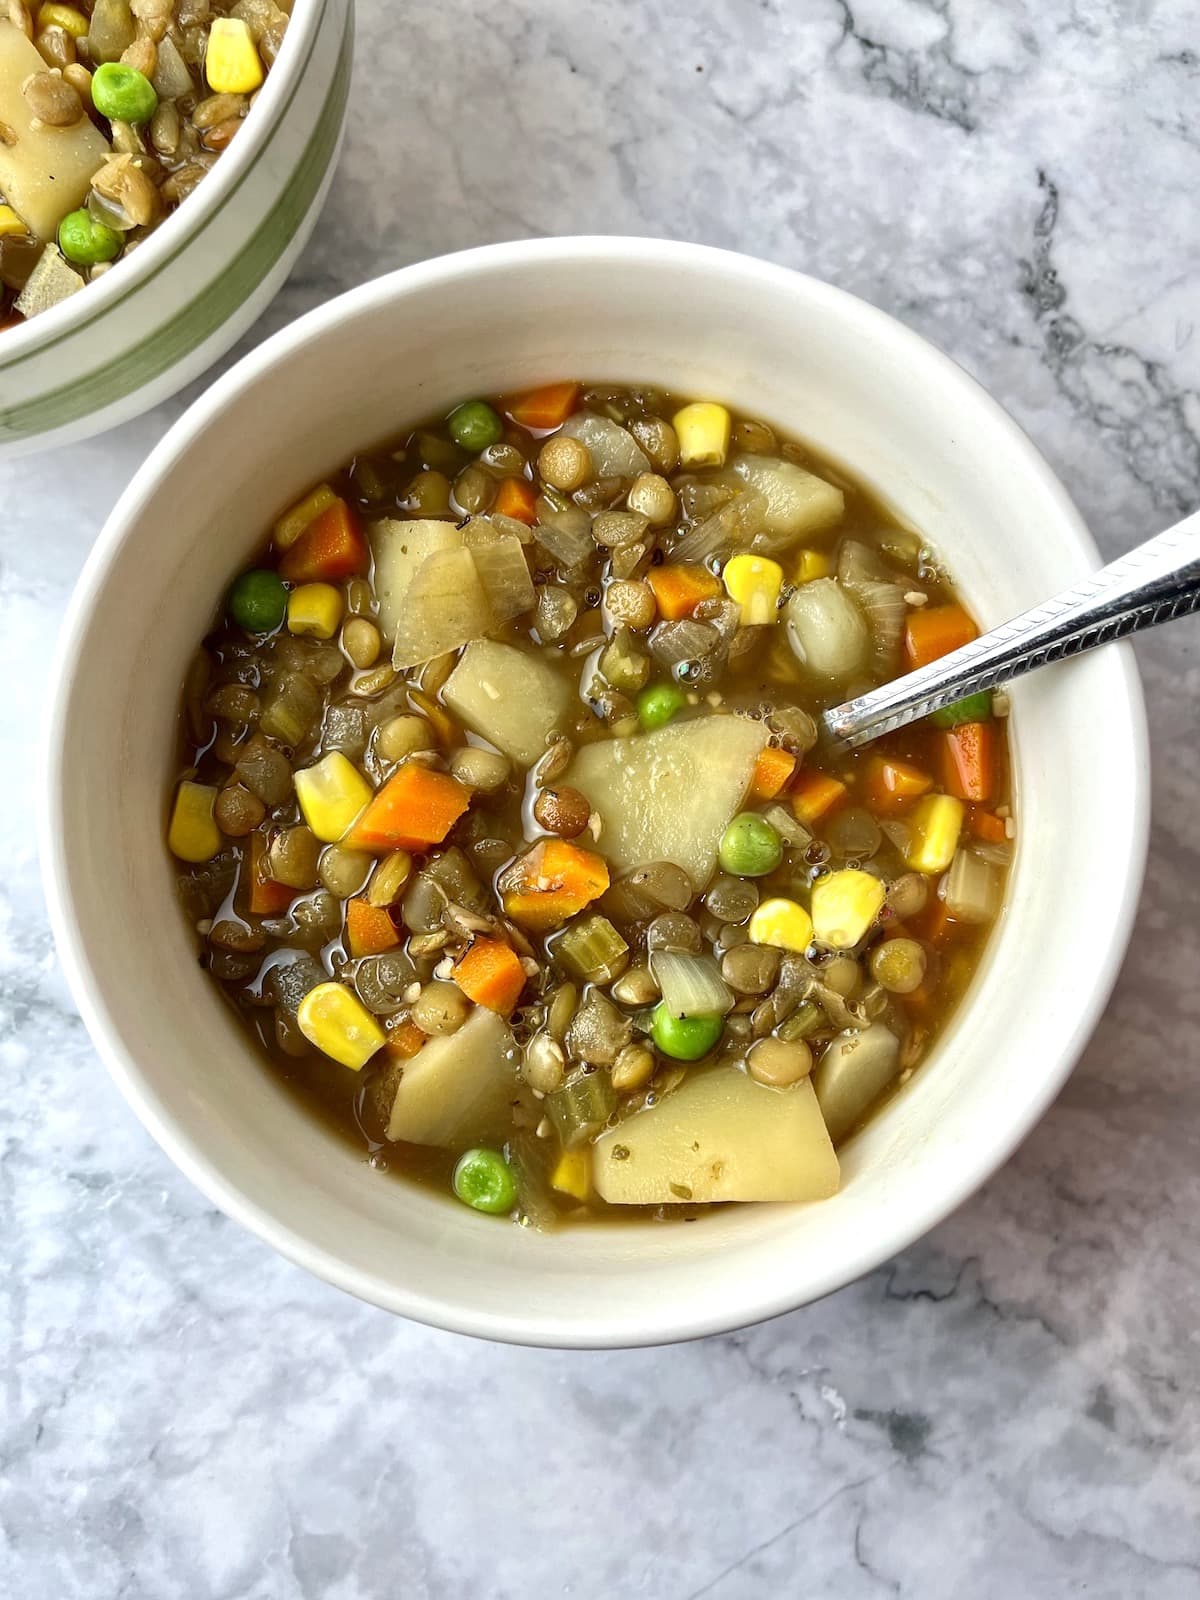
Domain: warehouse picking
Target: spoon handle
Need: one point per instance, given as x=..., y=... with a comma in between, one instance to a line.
x=1154, y=583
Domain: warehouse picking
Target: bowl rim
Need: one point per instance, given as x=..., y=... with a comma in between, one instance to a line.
x=270, y=1224
x=32, y=336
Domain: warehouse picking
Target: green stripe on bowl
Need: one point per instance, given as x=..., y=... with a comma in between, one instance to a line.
x=173, y=340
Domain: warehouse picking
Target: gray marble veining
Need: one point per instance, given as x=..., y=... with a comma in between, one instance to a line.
x=1012, y=1408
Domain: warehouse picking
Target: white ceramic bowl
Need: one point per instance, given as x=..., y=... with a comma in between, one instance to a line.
x=861, y=388
x=197, y=284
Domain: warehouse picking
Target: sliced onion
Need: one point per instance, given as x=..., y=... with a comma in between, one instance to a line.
x=733, y=524
x=692, y=985
x=826, y=629
x=861, y=571
x=566, y=542
x=996, y=855
x=445, y=607
x=673, y=642
x=859, y=564
x=502, y=568
x=614, y=450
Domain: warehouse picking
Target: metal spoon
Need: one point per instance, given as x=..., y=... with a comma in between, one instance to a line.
x=1154, y=583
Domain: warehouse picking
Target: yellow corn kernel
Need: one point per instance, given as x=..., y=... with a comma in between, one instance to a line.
x=782, y=923
x=573, y=1173
x=66, y=17
x=331, y=794
x=934, y=824
x=231, y=63
x=812, y=564
x=844, y=906
x=703, y=432
x=334, y=1019
x=193, y=834
x=754, y=582
x=294, y=521
x=10, y=222
x=316, y=609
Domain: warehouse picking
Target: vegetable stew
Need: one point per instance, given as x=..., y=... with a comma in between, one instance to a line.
x=505, y=824
x=113, y=112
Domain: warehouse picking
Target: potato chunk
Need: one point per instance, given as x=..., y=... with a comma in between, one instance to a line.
x=858, y=1065
x=459, y=1089
x=719, y=1136
x=798, y=503
x=44, y=172
x=513, y=700
x=669, y=795
x=399, y=549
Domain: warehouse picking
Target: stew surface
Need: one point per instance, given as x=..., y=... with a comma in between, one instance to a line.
x=505, y=825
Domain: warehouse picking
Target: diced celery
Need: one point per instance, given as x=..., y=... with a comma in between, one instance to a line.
x=591, y=949
x=807, y=1019
x=972, y=888
x=582, y=1106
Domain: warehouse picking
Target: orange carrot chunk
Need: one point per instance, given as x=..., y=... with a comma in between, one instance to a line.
x=986, y=826
x=772, y=773
x=933, y=632
x=547, y=407
x=491, y=974
x=332, y=547
x=815, y=793
x=515, y=498
x=415, y=808
x=369, y=929
x=891, y=784
x=404, y=1040
x=265, y=895
x=679, y=590
x=969, y=760
x=552, y=882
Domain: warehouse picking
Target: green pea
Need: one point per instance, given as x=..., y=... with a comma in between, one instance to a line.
x=684, y=1038
x=659, y=703
x=975, y=708
x=86, y=242
x=484, y=1180
x=258, y=601
x=475, y=426
x=123, y=94
x=750, y=847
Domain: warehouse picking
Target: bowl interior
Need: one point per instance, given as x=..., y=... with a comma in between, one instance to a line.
x=821, y=365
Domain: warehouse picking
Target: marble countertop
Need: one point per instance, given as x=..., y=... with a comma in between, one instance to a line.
x=1012, y=1407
